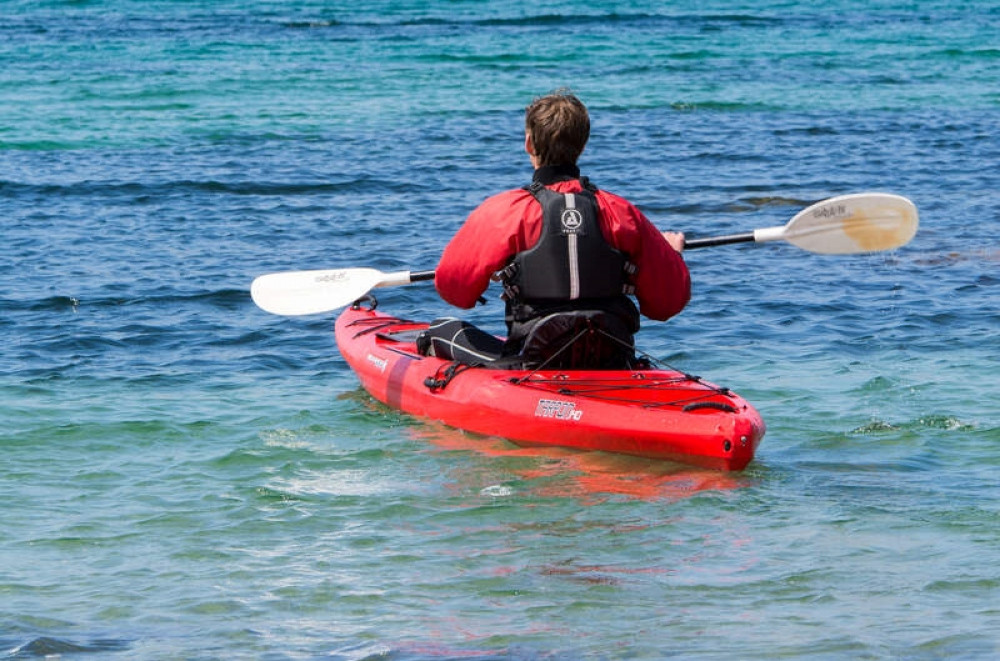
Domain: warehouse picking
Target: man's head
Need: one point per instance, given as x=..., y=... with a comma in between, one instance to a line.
x=556, y=129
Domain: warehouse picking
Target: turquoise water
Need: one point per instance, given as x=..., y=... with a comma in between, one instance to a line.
x=185, y=476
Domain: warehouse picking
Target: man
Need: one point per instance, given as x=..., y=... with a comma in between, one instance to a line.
x=569, y=256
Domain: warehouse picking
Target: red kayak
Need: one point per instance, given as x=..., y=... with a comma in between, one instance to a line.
x=655, y=413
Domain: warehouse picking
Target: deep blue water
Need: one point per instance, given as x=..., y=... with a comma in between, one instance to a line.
x=186, y=476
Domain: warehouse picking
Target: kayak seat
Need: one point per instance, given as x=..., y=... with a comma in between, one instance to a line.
x=570, y=340
x=578, y=340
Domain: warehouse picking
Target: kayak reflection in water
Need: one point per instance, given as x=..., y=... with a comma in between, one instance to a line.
x=570, y=258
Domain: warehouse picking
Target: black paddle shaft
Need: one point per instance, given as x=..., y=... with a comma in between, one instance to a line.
x=417, y=276
x=719, y=240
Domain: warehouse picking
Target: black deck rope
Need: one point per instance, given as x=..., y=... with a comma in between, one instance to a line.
x=372, y=302
x=594, y=389
x=594, y=392
x=548, y=360
x=581, y=390
x=376, y=324
x=444, y=375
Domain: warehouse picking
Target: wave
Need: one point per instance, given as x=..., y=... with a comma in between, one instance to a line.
x=932, y=421
x=173, y=22
x=227, y=299
x=547, y=19
x=144, y=190
x=984, y=53
x=50, y=647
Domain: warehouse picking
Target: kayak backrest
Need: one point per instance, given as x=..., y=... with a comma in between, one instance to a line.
x=579, y=340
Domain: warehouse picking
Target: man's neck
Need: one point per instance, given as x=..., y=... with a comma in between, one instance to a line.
x=550, y=174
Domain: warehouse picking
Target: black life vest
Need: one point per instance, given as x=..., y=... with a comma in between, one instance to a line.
x=573, y=278
x=571, y=261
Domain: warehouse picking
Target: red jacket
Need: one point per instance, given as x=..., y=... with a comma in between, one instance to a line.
x=511, y=222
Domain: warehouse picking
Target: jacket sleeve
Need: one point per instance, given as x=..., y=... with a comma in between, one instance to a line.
x=491, y=235
x=662, y=281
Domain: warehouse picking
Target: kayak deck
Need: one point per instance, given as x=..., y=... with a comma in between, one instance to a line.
x=655, y=413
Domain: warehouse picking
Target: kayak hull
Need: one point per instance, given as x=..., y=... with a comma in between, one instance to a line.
x=654, y=413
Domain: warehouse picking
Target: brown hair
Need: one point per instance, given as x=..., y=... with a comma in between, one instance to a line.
x=559, y=127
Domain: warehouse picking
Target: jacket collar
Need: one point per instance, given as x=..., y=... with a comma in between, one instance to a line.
x=550, y=174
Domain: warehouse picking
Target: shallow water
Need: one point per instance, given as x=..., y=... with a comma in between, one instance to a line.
x=189, y=477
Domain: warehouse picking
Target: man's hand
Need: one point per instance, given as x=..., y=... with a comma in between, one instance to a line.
x=675, y=239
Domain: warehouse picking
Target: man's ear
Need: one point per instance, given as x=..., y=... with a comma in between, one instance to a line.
x=529, y=146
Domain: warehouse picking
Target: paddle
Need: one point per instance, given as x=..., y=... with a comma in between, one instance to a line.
x=849, y=224
x=308, y=292
x=863, y=222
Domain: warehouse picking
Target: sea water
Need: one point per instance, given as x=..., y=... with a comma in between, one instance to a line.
x=187, y=477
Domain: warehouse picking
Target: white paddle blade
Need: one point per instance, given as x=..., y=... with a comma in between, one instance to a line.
x=309, y=292
x=849, y=224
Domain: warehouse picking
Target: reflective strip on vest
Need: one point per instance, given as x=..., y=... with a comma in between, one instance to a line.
x=574, y=256
x=571, y=261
